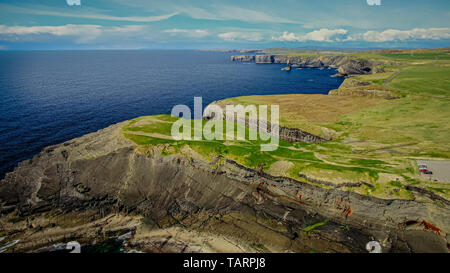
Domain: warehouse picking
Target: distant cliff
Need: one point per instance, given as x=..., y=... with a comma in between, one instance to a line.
x=346, y=66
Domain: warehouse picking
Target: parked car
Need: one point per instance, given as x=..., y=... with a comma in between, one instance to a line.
x=428, y=172
x=423, y=167
x=423, y=170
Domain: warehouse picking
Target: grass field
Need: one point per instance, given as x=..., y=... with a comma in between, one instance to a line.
x=374, y=140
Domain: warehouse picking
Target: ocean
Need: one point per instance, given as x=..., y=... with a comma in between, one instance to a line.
x=48, y=97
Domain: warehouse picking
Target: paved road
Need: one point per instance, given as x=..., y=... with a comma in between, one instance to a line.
x=440, y=169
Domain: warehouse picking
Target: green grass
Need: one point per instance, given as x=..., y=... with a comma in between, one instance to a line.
x=404, y=120
x=312, y=227
x=346, y=228
x=440, y=190
x=427, y=79
x=146, y=140
x=305, y=52
x=397, y=184
x=367, y=162
x=249, y=153
x=415, y=125
x=246, y=152
x=418, y=56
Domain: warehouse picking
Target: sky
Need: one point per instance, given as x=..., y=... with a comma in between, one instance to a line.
x=204, y=24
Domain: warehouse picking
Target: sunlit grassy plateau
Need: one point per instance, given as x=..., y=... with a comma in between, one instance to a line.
x=373, y=140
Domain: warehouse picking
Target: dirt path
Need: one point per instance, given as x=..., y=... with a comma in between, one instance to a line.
x=388, y=80
x=155, y=135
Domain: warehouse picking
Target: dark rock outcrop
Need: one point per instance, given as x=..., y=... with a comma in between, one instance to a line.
x=243, y=58
x=105, y=170
x=345, y=65
x=352, y=87
x=297, y=135
x=285, y=133
x=371, y=93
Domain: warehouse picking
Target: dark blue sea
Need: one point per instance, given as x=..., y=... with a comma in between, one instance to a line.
x=48, y=97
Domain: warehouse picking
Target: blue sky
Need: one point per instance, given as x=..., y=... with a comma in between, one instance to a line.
x=183, y=24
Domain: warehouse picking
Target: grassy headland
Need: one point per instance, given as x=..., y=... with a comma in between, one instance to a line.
x=373, y=139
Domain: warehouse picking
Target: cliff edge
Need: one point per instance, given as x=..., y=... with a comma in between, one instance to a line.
x=346, y=66
x=107, y=172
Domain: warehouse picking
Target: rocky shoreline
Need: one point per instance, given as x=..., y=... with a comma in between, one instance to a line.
x=101, y=186
x=106, y=173
x=346, y=66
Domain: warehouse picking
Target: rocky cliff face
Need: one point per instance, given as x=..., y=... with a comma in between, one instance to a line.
x=105, y=171
x=285, y=133
x=352, y=87
x=243, y=58
x=346, y=65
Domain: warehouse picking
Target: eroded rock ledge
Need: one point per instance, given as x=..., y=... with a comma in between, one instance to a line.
x=285, y=133
x=346, y=66
x=104, y=171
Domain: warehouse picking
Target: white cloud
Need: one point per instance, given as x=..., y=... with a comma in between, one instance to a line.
x=286, y=37
x=187, y=32
x=54, y=30
x=143, y=19
x=247, y=36
x=221, y=12
x=82, y=33
x=322, y=35
x=389, y=35
x=91, y=15
x=124, y=29
x=401, y=35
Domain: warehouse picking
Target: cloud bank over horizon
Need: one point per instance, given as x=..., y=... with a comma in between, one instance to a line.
x=232, y=24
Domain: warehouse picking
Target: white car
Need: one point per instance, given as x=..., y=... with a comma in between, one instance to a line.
x=423, y=167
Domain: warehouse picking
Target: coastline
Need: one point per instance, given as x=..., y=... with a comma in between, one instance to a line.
x=296, y=204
